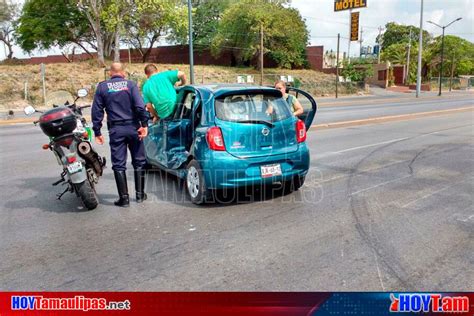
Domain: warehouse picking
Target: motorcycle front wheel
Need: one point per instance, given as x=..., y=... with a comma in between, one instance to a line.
x=87, y=194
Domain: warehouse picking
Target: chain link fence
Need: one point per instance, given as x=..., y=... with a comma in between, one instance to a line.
x=32, y=88
x=453, y=84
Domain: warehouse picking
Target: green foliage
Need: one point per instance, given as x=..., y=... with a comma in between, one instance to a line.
x=400, y=34
x=8, y=16
x=396, y=54
x=47, y=23
x=206, y=19
x=151, y=19
x=7, y=12
x=357, y=72
x=285, y=32
x=455, y=48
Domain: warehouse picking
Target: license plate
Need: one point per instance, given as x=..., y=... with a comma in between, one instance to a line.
x=74, y=167
x=270, y=170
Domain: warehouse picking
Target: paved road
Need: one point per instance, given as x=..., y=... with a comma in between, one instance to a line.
x=385, y=207
x=369, y=108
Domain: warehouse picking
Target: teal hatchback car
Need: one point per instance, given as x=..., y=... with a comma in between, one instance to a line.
x=229, y=136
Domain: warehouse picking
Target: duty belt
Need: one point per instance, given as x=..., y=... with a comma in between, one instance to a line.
x=122, y=123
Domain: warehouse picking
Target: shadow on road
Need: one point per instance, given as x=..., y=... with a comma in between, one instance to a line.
x=45, y=197
x=164, y=187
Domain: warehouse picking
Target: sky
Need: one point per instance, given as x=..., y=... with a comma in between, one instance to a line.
x=324, y=24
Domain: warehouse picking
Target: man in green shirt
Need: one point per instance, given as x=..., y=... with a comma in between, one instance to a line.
x=159, y=93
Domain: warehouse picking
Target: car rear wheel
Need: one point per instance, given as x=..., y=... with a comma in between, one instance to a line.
x=195, y=184
x=294, y=184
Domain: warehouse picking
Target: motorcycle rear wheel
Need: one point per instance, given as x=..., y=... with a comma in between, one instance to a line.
x=87, y=194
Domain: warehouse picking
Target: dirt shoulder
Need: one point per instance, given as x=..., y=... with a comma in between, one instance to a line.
x=22, y=84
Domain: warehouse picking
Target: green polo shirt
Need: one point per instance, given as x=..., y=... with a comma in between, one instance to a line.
x=159, y=91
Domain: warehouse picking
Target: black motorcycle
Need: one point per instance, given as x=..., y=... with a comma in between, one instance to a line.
x=70, y=141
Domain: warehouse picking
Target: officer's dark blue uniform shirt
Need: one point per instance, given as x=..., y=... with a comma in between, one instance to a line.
x=122, y=101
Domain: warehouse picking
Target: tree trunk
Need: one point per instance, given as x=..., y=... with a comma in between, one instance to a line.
x=148, y=50
x=10, y=50
x=85, y=49
x=95, y=24
x=100, y=50
x=117, y=45
x=67, y=58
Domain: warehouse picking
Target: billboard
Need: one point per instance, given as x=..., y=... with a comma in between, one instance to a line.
x=341, y=5
x=354, y=26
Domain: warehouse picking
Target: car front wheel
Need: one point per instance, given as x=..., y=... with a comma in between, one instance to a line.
x=195, y=184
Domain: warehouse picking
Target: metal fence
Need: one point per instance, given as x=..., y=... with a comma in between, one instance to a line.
x=452, y=84
x=19, y=90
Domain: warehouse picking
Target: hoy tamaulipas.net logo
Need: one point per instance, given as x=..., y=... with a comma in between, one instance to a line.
x=435, y=303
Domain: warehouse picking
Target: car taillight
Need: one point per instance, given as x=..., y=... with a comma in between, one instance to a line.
x=300, y=131
x=215, y=139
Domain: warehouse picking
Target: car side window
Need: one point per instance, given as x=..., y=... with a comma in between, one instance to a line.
x=179, y=105
x=186, y=111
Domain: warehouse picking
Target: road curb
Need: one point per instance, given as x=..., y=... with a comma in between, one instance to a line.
x=374, y=120
x=29, y=120
x=392, y=118
x=371, y=101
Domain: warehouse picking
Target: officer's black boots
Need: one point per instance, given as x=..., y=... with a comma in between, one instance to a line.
x=121, y=181
x=140, y=185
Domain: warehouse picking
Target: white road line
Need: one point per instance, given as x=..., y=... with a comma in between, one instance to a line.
x=381, y=184
x=432, y=193
x=371, y=145
x=331, y=153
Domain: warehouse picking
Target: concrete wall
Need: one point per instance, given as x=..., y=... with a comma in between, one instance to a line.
x=179, y=54
x=315, y=56
x=380, y=75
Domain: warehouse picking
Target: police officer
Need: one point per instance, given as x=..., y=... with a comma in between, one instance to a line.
x=127, y=123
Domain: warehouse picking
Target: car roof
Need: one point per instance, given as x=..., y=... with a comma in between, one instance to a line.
x=222, y=89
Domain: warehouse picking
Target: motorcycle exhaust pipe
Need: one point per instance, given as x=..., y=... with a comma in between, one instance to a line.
x=84, y=149
x=86, y=152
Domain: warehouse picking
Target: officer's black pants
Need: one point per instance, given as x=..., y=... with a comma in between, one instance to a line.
x=121, y=137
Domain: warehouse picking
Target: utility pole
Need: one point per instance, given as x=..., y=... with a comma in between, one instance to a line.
x=420, y=49
x=337, y=62
x=349, y=37
x=261, y=54
x=191, y=51
x=360, y=41
x=442, y=50
x=441, y=66
x=452, y=72
x=380, y=44
x=407, y=77
x=43, y=80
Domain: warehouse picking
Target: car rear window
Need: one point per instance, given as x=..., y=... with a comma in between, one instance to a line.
x=244, y=107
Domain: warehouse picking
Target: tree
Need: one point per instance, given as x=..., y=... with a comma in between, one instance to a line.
x=47, y=23
x=92, y=9
x=395, y=53
x=357, y=72
x=8, y=13
x=455, y=48
x=113, y=15
x=285, y=32
x=151, y=20
x=206, y=19
x=398, y=34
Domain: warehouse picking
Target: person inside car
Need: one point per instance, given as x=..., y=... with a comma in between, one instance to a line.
x=296, y=107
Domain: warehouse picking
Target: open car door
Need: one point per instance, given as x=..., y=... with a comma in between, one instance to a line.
x=309, y=105
x=179, y=133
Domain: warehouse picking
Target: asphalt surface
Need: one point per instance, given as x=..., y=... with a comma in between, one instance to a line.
x=385, y=207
